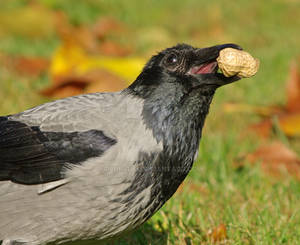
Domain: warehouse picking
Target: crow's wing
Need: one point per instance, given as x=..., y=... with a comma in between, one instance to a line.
x=37, y=145
x=29, y=155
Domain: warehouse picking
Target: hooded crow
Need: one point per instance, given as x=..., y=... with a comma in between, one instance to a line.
x=93, y=166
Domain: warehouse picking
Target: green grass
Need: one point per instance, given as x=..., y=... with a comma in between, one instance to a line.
x=256, y=208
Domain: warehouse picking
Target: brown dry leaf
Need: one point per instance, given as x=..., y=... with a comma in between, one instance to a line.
x=217, y=234
x=293, y=88
x=80, y=36
x=259, y=110
x=111, y=48
x=32, y=66
x=98, y=39
x=93, y=81
x=289, y=124
x=275, y=158
x=263, y=128
x=66, y=90
x=65, y=86
x=107, y=26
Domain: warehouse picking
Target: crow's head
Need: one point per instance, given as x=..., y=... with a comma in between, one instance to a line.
x=183, y=69
x=177, y=86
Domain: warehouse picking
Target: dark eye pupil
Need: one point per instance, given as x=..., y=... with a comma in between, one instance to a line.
x=172, y=59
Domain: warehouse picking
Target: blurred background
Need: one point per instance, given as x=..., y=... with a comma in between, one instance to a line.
x=244, y=188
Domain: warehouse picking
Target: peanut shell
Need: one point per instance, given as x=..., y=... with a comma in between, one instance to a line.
x=237, y=62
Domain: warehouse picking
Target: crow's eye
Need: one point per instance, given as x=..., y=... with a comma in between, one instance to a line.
x=172, y=59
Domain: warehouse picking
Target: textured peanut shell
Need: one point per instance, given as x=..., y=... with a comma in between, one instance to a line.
x=237, y=62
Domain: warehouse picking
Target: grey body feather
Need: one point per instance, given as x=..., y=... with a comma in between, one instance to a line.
x=54, y=215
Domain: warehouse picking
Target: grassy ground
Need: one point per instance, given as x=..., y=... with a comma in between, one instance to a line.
x=256, y=208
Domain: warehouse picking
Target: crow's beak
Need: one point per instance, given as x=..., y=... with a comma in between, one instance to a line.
x=212, y=53
x=205, y=65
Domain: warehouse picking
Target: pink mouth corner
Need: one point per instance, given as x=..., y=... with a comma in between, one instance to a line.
x=204, y=68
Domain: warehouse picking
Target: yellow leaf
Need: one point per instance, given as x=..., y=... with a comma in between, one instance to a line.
x=290, y=124
x=71, y=58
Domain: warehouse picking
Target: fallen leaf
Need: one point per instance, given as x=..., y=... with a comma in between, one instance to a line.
x=68, y=86
x=217, y=234
x=288, y=123
x=71, y=58
x=100, y=39
x=259, y=110
x=107, y=26
x=80, y=36
x=110, y=48
x=274, y=158
x=31, y=66
x=66, y=90
x=263, y=128
x=91, y=82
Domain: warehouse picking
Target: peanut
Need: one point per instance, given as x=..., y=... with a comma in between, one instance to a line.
x=237, y=62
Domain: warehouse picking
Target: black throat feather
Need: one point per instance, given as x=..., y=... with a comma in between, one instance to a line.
x=177, y=122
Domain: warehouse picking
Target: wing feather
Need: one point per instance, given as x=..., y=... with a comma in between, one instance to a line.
x=29, y=155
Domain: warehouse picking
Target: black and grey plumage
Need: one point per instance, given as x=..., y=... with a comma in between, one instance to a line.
x=96, y=165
